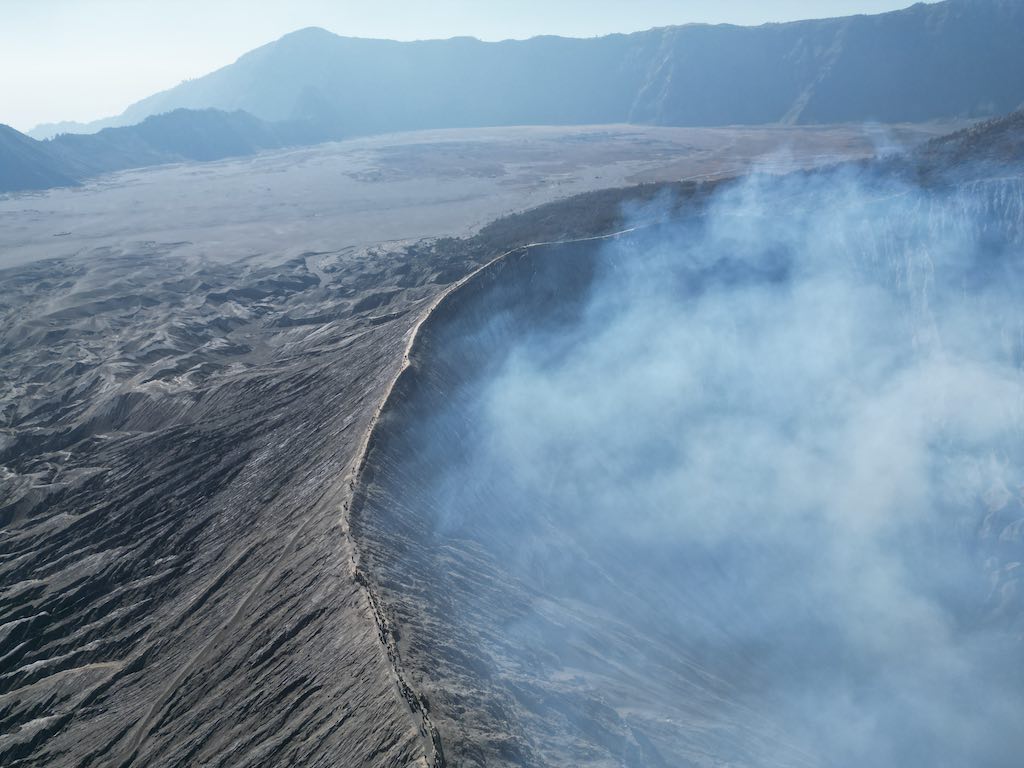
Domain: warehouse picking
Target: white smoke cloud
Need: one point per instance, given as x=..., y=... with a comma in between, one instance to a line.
x=787, y=433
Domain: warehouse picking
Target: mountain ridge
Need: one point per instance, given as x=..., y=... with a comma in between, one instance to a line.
x=928, y=61
x=181, y=135
x=25, y=165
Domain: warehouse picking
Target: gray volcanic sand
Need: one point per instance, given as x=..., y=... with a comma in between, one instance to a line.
x=405, y=186
x=192, y=356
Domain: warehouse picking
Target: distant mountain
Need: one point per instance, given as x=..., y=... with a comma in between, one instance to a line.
x=26, y=164
x=45, y=131
x=959, y=58
x=177, y=136
x=183, y=134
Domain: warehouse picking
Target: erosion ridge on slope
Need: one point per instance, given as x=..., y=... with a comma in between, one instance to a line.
x=172, y=532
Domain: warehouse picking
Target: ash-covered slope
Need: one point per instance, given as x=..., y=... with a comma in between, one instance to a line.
x=989, y=148
x=959, y=58
x=742, y=488
x=176, y=442
x=178, y=431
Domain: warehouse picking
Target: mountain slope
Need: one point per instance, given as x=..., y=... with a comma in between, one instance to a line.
x=998, y=142
x=959, y=58
x=177, y=136
x=201, y=135
x=988, y=149
x=27, y=165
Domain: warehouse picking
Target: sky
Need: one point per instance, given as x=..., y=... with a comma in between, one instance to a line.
x=87, y=59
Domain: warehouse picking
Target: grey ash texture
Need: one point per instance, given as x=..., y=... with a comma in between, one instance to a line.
x=195, y=359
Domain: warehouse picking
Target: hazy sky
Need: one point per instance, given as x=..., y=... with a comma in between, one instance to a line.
x=85, y=59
